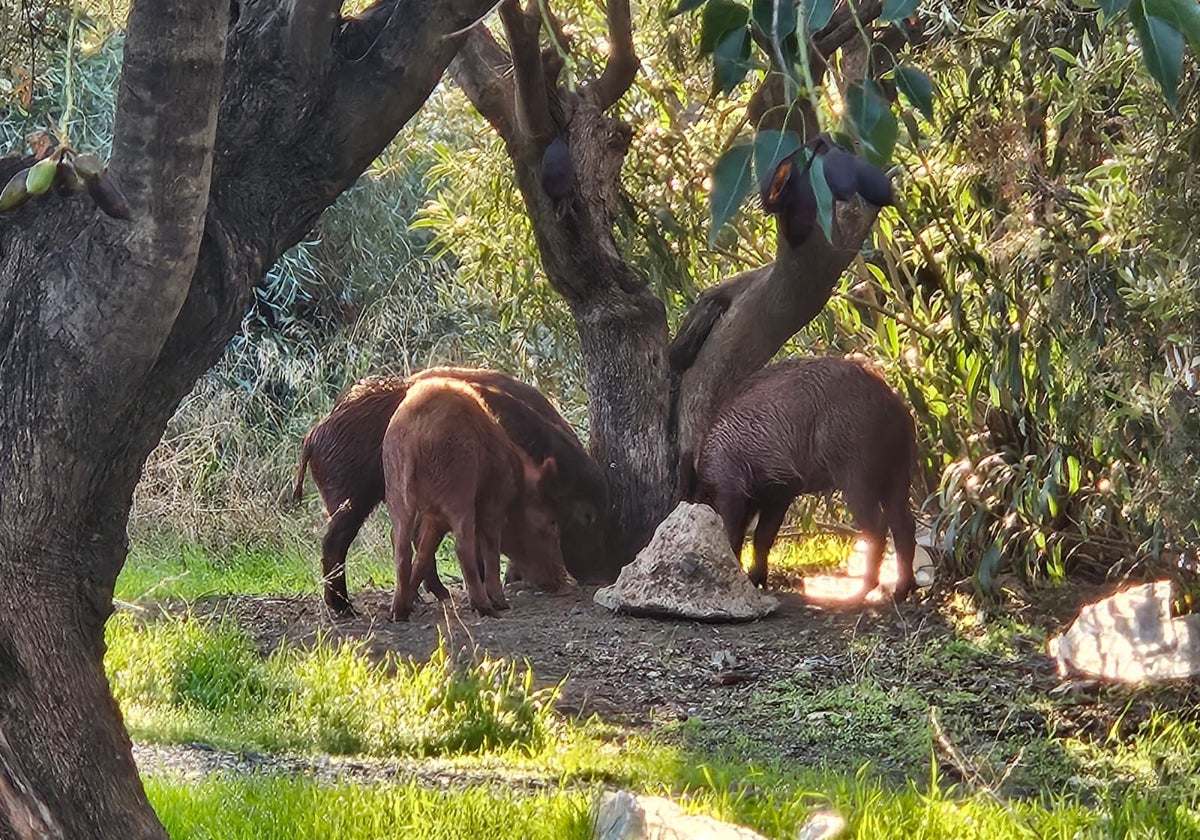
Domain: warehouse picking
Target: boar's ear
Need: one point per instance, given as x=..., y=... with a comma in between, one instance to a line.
x=547, y=475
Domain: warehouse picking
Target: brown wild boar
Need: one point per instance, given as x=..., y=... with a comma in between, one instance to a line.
x=810, y=426
x=343, y=453
x=447, y=460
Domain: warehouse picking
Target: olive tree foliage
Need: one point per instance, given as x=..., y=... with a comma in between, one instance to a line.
x=1032, y=296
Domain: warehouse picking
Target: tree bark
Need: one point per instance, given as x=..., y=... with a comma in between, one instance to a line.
x=760, y=311
x=641, y=412
x=622, y=325
x=232, y=136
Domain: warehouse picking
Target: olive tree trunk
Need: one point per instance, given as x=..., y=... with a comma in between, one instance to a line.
x=643, y=414
x=235, y=128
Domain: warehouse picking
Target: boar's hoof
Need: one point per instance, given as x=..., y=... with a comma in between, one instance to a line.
x=342, y=609
x=399, y=613
x=484, y=608
x=902, y=591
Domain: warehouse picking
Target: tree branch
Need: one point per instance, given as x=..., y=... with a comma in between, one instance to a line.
x=748, y=317
x=481, y=70
x=310, y=33
x=380, y=89
x=845, y=24
x=532, y=103
x=622, y=66
x=166, y=122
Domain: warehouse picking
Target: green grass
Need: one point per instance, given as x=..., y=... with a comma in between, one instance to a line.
x=816, y=553
x=181, y=680
x=166, y=566
x=271, y=808
x=266, y=807
x=858, y=737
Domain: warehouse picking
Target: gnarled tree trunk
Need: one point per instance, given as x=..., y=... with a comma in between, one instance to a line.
x=232, y=135
x=643, y=414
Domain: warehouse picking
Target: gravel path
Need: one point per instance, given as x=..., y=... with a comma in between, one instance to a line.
x=193, y=762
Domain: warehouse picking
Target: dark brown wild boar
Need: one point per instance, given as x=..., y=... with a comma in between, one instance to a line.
x=810, y=426
x=446, y=460
x=343, y=453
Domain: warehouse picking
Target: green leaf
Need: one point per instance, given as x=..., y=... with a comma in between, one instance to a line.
x=720, y=18
x=816, y=174
x=894, y=10
x=817, y=14
x=1074, y=471
x=917, y=88
x=989, y=566
x=1162, y=50
x=776, y=18
x=685, y=6
x=1112, y=7
x=770, y=147
x=871, y=117
x=1063, y=55
x=1183, y=15
x=731, y=183
x=731, y=60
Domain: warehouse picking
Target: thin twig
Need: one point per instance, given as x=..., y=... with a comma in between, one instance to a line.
x=68, y=68
x=474, y=23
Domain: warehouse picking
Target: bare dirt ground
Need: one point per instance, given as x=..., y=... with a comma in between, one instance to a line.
x=814, y=685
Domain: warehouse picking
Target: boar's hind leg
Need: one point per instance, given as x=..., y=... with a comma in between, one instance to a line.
x=466, y=546
x=430, y=533
x=904, y=529
x=403, y=522
x=344, y=524
x=863, y=502
x=770, y=520
x=489, y=558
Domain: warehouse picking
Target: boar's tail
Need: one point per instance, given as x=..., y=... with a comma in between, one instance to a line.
x=298, y=490
x=689, y=481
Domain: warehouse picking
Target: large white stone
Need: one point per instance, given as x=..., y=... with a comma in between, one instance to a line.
x=687, y=570
x=623, y=816
x=1130, y=637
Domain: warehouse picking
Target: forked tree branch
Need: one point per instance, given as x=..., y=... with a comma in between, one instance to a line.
x=622, y=66
x=531, y=101
x=405, y=46
x=739, y=324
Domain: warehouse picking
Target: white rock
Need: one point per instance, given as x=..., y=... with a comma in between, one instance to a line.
x=822, y=825
x=623, y=816
x=687, y=570
x=1130, y=637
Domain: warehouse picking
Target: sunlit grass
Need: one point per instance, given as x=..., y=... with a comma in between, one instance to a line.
x=795, y=556
x=267, y=807
x=183, y=680
x=168, y=566
x=862, y=749
x=273, y=808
